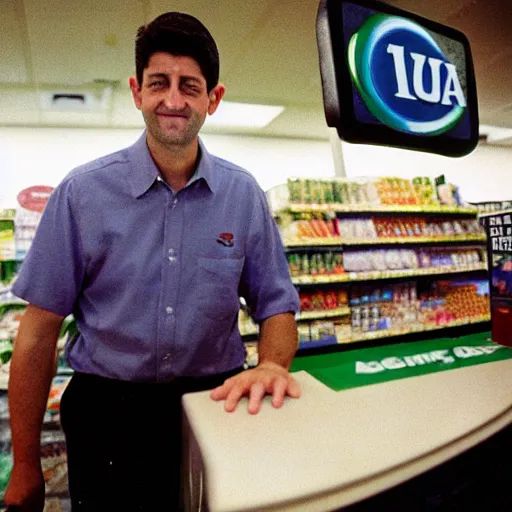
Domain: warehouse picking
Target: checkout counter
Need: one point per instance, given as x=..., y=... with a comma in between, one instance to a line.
x=335, y=447
x=330, y=449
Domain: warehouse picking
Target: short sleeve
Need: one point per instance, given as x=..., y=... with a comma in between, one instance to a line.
x=266, y=282
x=52, y=272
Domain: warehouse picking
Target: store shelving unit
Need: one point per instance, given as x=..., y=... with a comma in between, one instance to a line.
x=350, y=277
x=463, y=238
x=335, y=242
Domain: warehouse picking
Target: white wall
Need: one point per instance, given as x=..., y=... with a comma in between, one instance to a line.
x=484, y=175
x=43, y=156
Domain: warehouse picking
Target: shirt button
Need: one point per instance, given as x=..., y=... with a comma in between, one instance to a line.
x=175, y=202
x=169, y=310
x=167, y=357
x=172, y=259
x=171, y=251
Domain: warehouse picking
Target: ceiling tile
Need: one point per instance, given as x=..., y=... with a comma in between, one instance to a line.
x=281, y=62
x=18, y=107
x=76, y=42
x=12, y=40
x=233, y=23
x=437, y=10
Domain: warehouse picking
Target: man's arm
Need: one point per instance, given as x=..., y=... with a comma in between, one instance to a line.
x=276, y=347
x=31, y=372
x=278, y=341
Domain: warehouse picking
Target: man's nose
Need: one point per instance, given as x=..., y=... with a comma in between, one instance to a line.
x=174, y=98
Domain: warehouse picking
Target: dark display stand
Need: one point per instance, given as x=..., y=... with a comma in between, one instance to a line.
x=499, y=249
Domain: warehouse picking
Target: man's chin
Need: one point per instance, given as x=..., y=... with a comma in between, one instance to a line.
x=175, y=140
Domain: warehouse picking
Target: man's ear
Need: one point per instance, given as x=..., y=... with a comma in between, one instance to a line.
x=135, y=88
x=215, y=96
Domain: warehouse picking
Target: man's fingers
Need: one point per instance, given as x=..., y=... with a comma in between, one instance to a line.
x=279, y=391
x=256, y=395
x=255, y=384
x=293, y=388
x=234, y=397
x=220, y=392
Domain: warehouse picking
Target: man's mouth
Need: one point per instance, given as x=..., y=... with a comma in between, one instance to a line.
x=174, y=115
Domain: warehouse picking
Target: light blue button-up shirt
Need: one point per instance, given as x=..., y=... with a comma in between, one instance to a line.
x=153, y=277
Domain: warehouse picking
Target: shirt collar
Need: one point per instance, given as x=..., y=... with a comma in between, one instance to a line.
x=145, y=171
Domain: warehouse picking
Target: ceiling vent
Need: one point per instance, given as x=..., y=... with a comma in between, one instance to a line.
x=76, y=100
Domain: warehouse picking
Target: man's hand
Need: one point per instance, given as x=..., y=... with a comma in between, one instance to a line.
x=266, y=379
x=25, y=491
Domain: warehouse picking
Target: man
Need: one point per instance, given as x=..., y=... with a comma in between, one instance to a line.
x=150, y=249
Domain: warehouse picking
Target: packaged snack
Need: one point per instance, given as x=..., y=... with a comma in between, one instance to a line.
x=327, y=187
x=308, y=191
x=304, y=333
x=305, y=265
x=313, y=264
x=342, y=298
x=338, y=263
x=294, y=264
x=306, y=302
x=448, y=229
x=447, y=194
x=304, y=229
x=337, y=192
x=295, y=190
x=343, y=330
x=377, y=260
x=318, y=299
x=356, y=319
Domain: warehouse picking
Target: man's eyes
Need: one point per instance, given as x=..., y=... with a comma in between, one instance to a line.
x=186, y=87
x=191, y=88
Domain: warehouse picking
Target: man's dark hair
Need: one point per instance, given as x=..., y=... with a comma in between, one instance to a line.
x=178, y=34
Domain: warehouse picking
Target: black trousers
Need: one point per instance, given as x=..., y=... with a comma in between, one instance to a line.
x=124, y=442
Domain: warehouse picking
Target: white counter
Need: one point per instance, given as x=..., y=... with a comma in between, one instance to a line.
x=329, y=449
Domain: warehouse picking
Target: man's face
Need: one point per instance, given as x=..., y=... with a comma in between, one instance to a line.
x=173, y=99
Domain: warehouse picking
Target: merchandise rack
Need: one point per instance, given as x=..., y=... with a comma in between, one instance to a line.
x=320, y=315
x=350, y=277
x=392, y=336
x=361, y=209
x=286, y=211
x=383, y=241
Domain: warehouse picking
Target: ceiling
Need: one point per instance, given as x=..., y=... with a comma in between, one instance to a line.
x=267, y=47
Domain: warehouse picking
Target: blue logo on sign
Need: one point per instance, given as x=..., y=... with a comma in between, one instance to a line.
x=403, y=76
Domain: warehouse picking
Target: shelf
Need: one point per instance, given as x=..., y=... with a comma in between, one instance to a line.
x=248, y=333
x=322, y=242
x=399, y=332
x=371, y=208
x=389, y=333
x=389, y=274
x=319, y=315
x=314, y=242
x=316, y=344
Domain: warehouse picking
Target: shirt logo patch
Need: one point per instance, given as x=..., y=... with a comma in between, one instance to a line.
x=226, y=239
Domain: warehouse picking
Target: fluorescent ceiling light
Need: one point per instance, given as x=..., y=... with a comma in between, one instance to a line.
x=495, y=134
x=243, y=115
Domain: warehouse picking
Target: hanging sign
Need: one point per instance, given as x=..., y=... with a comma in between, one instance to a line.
x=35, y=198
x=393, y=78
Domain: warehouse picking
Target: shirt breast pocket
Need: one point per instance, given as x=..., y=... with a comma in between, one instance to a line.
x=219, y=280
